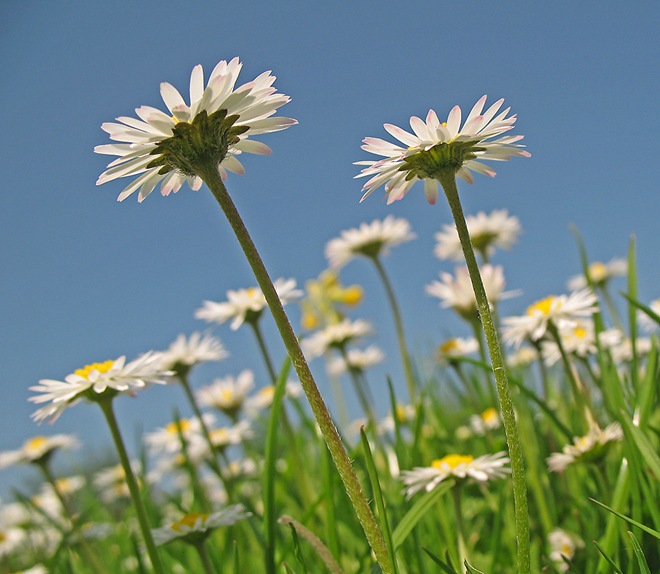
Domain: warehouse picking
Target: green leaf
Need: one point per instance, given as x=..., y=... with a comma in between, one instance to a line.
x=641, y=441
x=639, y=554
x=445, y=567
x=471, y=569
x=628, y=519
x=420, y=508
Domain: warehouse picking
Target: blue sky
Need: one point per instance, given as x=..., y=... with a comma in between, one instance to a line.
x=86, y=278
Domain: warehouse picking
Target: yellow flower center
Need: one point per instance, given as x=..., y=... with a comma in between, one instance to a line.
x=251, y=291
x=580, y=332
x=173, y=428
x=489, y=415
x=189, y=521
x=351, y=296
x=220, y=436
x=597, y=272
x=309, y=321
x=401, y=413
x=452, y=461
x=35, y=443
x=448, y=346
x=226, y=395
x=267, y=393
x=103, y=367
x=544, y=306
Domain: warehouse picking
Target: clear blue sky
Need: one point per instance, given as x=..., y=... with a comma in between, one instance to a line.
x=85, y=278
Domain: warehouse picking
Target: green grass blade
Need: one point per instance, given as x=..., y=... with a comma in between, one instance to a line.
x=378, y=497
x=639, y=554
x=445, y=567
x=471, y=569
x=636, y=435
x=611, y=562
x=639, y=525
x=420, y=508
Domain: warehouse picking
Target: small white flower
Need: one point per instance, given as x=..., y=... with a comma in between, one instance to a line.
x=562, y=310
x=190, y=351
x=457, y=466
x=194, y=527
x=334, y=335
x=599, y=273
x=37, y=449
x=246, y=304
x=562, y=545
x=523, y=357
x=166, y=439
x=221, y=438
x=263, y=398
x=370, y=240
x=11, y=539
x=358, y=359
x=111, y=484
x=591, y=446
x=578, y=339
x=621, y=346
x=227, y=394
x=456, y=292
x=96, y=378
x=487, y=231
x=456, y=347
x=254, y=103
x=487, y=421
x=478, y=130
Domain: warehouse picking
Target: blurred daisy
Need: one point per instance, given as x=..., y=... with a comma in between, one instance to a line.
x=185, y=352
x=358, y=360
x=645, y=321
x=95, y=379
x=435, y=145
x=263, y=398
x=246, y=305
x=334, y=336
x=562, y=310
x=227, y=394
x=578, y=339
x=455, y=348
x=590, y=447
x=599, y=273
x=456, y=466
x=166, y=439
x=194, y=528
x=562, y=548
x=222, y=437
x=487, y=421
x=370, y=240
x=405, y=414
x=324, y=297
x=37, y=450
x=235, y=115
x=456, y=292
x=522, y=357
x=487, y=231
x=11, y=539
x=620, y=345
x=110, y=482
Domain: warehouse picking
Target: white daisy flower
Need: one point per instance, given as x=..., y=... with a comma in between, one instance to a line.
x=334, y=335
x=456, y=292
x=263, y=398
x=11, y=539
x=95, y=379
x=185, y=352
x=250, y=106
x=488, y=420
x=246, y=304
x=227, y=394
x=522, y=357
x=591, y=446
x=358, y=359
x=370, y=240
x=620, y=345
x=166, y=439
x=221, y=438
x=599, y=273
x=111, y=484
x=195, y=527
x=457, y=466
x=473, y=141
x=456, y=347
x=562, y=545
x=487, y=231
x=578, y=339
x=562, y=310
x=37, y=449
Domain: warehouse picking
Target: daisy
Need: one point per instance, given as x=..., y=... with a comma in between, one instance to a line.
x=592, y=446
x=487, y=231
x=95, y=380
x=456, y=291
x=522, y=357
x=111, y=482
x=185, y=352
x=358, y=360
x=456, y=347
x=562, y=548
x=456, y=466
x=336, y=335
x=227, y=394
x=369, y=240
x=166, y=439
x=599, y=274
x=436, y=147
x=487, y=421
x=246, y=305
x=149, y=144
x=323, y=298
x=194, y=528
x=578, y=339
x=38, y=449
x=562, y=310
x=263, y=398
x=221, y=438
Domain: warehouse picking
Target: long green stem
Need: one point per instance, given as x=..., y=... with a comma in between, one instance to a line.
x=521, y=511
x=209, y=175
x=204, y=558
x=256, y=329
x=398, y=325
x=133, y=488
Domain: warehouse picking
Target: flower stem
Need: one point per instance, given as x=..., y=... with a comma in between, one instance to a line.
x=398, y=325
x=256, y=329
x=204, y=558
x=521, y=512
x=209, y=175
x=108, y=411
